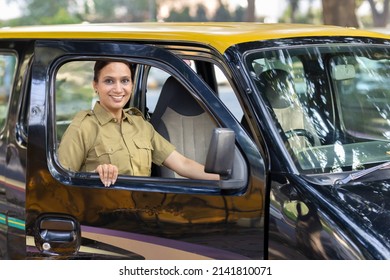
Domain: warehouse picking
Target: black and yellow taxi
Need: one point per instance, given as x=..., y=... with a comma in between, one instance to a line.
x=294, y=118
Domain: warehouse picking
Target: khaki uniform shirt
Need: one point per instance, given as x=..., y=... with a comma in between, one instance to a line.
x=95, y=137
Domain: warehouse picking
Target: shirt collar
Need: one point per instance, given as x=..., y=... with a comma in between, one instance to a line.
x=105, y=117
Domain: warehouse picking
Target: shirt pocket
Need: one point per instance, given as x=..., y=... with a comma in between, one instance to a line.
x=142, y=157
x=109, y=153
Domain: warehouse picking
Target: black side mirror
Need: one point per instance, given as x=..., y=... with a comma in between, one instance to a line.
x=220, y=156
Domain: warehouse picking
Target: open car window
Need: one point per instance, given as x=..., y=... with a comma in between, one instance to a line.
x=73, y=86
x=168, y=105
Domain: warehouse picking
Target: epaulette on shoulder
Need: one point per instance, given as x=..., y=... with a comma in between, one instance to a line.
x=135, y=111
x=80, y=116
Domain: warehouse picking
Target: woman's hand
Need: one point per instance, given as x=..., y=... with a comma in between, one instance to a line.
x=108, y=174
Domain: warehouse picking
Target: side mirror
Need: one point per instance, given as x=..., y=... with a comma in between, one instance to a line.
x=220, y=156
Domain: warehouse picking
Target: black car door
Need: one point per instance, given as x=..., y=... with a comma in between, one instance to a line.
x=161, y=218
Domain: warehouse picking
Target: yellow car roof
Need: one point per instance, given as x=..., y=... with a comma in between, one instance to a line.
x=220, y=36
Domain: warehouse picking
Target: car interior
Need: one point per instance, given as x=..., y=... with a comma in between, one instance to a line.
x=183, y=122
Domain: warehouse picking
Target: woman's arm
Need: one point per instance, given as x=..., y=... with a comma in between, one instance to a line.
x=187, y=167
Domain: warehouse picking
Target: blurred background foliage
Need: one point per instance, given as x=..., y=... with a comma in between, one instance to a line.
x=335, y=12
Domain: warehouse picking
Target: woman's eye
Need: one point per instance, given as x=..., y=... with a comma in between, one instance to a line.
x=126, y=81
x=108, y=81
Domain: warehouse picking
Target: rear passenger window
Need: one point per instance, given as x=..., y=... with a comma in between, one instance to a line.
x=7, y=75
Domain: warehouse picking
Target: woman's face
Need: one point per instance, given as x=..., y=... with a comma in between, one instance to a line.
x=114, y=87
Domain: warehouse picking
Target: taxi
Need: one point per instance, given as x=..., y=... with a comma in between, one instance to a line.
x=294, y=118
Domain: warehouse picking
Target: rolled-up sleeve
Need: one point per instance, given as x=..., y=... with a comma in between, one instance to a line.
x=71, y=152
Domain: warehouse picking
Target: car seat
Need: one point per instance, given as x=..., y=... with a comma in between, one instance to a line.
x=181, y=120
x=278, y=87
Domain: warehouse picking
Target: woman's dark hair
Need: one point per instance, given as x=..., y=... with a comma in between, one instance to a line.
x=100, y=64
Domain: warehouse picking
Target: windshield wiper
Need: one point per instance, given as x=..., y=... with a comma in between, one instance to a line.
x=360, y=174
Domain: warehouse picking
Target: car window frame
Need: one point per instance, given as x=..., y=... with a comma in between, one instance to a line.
x=174, y=65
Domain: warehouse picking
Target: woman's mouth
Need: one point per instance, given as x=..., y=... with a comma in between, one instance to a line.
x=117, y=98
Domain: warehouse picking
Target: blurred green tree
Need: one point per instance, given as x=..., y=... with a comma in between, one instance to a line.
x=179, y=15
x=222, y=13
x=239, y=14
x=295, y=14
x=122, y=10
x=201, y=13
x=46, y=12
x=75, y=11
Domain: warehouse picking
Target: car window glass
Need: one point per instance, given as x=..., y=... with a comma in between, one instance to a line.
x=227, y=95
x=7, y=75
x=155, y=81
x=73, y=92
x=361, y=83
x=157, y=78
x=330, y=103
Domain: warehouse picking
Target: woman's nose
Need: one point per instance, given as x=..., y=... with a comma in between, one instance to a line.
x=118, y=87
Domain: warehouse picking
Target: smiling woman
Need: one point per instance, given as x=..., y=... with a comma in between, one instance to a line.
x=111, y=141
x=113, y=84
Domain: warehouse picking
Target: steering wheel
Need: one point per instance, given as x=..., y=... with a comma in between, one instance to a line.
x=301, y=132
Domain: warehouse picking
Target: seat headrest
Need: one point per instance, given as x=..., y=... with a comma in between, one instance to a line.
x=178, y=98
x=278, y=87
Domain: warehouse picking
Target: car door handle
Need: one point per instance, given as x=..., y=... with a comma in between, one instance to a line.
x=57, y=235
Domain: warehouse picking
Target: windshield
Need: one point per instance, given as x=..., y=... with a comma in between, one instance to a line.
x=330, y=103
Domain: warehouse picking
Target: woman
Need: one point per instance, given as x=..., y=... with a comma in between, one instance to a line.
x=111, y=141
